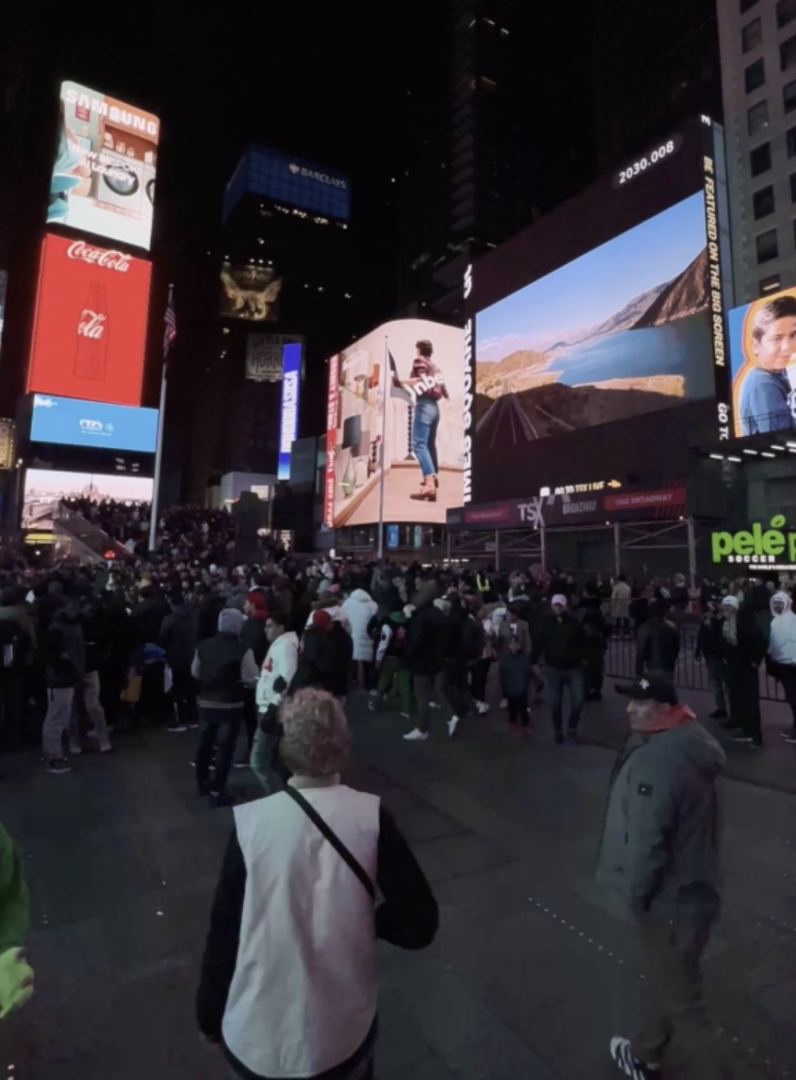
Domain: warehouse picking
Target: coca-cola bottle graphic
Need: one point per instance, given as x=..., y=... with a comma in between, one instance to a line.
x=92, y=335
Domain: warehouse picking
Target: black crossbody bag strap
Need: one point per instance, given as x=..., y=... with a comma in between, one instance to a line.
x=333, y=839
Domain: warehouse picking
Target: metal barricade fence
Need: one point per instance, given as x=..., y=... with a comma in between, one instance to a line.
x=689, y=673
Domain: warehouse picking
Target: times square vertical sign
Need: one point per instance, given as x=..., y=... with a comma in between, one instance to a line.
x=332, y=418
x=719, y=283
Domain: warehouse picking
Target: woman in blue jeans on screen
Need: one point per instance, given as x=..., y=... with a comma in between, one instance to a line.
x=428, y=385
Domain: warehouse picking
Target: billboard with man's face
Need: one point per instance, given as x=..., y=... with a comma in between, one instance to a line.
x=412, y=368
x=103, y=179
x=762, y=345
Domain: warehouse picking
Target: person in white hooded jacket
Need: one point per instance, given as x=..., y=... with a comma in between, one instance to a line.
x=276, y=675
x=782, y=653
x=358, y=610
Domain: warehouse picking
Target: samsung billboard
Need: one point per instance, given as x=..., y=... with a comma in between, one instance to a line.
x=73, y=422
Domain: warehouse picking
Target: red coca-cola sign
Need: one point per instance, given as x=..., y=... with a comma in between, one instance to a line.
x=90, y=331
x=96, y=256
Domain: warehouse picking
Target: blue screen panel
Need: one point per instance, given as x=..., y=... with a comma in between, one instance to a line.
x=72, y=422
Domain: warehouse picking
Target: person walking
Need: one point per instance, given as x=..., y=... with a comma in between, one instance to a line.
x=426, y=649
x=479, y=667
x=392, y=664
x=782, y=654
x=97, y=643
x=742, y=648
x=358, y=610
x=222, y=666
x=658, y=642
x=708, y=648
x=179, y=636
x=65, y=662
x=516, y=676
x=278, y=672
x=289, y=982
x=562, y=642
x=660, y=851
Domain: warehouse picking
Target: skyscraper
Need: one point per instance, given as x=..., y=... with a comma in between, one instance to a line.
x=758, y=63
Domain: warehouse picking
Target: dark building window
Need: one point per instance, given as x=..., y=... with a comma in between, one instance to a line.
x=789, y=96
x=751, y=35
x=746, y=4
x=757, y=117
x=767, y=247
x=790, y=141
x=763, y=202
x=769, y=284
x=787, y=54
x=760, y=159
x=755, y=75
x=786, y=12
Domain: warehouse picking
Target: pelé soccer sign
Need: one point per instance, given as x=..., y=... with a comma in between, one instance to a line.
x=758, y=544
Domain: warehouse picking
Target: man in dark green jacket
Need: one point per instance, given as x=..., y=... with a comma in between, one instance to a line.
x=16, y=976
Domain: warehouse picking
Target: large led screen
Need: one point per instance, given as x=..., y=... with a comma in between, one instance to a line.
x=414, y=368
x=289, y=413
x=762, y=346
x=249, y=291
x=46, y=488
x=90, y=330
x=103, y=179
x=71, y=422
x=623, y=330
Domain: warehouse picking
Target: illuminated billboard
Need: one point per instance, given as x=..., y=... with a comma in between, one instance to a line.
x=414, y=367
x=604, y=311
x=45, y=488
x=250, y=291
x=308, y=189
x=72, y=422
x=762, y=348
x=103, y=179
x=289, y=413
x=264, y=355
x=90, y=330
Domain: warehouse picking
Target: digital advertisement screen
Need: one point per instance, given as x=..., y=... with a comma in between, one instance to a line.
x=103, y=179
x=45, y=488
x=289, y=413
x=72, y=422
x=264, y=355
x=249, y=291
x=91, y=317
x=623, y=330
x=309, y=188
x=414, y=368
x=762, y=347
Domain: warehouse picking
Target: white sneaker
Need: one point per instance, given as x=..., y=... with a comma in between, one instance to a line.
x=416, y=736
x=435, y=705
x=483, y=708
x=504, y=704
x=630, y=1065
x=453, y=723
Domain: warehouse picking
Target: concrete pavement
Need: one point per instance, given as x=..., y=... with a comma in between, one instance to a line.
x=533, y=969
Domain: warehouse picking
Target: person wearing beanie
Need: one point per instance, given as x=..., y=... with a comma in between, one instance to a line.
x=562, y=641
x=223, y=667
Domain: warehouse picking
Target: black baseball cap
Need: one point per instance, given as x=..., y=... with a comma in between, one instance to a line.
x=656, y=686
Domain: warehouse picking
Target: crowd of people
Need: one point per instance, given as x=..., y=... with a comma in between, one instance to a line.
x=191, y=641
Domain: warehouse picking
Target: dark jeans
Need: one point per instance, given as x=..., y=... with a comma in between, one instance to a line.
x=218, y=727
x=717, y=680
x=518, y=711
x=183, y=693
x=11, y=710
x=575, y=679
x=786, y=673
x=672, y=1001
x=479, y=673
x=744, y=692
x=428, y=688
x=595, y=667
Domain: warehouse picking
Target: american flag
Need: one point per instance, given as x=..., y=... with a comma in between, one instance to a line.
x=170, y=320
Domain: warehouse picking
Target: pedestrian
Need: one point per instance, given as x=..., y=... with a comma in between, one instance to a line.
x=516, y=676
x=222, y=666
x=97, y=644
x=278, y=672
x=179, y=636
x=253, y=637
x=289, y=986
x=479, y=668
x=708, y=648
x=65, y=661
x=742, y=647
x=426, y=649
x=358, y=610
x=782, y=654
x=596, y=631
x=660, y=851
x=620, y=604
x=658, y=642
x=391, y=662
x=562, y=642
x=16, y=975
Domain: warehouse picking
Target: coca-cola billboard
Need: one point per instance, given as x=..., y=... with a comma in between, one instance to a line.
x=90, y=330
x=103, y=179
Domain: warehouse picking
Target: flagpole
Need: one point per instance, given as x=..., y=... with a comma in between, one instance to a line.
x=386, y=398
x=153, y=520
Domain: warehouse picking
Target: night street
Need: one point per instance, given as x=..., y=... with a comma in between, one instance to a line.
x=530, y=975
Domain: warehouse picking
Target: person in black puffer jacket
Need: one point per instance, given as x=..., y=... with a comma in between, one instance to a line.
x=562, y=641
x=179, y=634
x=65, y=662
x=658, y=642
